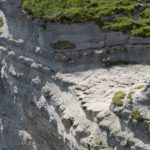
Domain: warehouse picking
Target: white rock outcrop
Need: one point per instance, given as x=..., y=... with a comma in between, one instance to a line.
x=62, y=99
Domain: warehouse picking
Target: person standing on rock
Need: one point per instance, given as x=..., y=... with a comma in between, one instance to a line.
x=105, y=59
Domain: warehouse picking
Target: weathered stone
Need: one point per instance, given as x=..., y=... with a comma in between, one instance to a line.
x=48, y=105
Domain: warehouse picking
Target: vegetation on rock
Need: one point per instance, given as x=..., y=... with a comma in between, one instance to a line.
x=128, y=16
x=63, y=45
x=137, y=116
x=117, y=98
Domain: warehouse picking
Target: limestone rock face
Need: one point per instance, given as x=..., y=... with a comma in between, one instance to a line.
x=52, y=99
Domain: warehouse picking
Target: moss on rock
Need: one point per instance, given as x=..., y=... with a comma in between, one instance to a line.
x=137, y=116
x=63, y=45
x=117, y=98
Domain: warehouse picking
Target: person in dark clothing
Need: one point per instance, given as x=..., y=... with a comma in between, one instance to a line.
x=105, y=59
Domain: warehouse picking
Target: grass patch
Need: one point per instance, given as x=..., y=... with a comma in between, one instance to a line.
x=136, y=27
x=120, y=13
x=142, y=31
x=117, y=98
x=146, y=13
x=63, y=45
x=137, y=116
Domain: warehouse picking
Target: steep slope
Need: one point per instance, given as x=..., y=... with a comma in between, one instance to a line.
x=61, y=99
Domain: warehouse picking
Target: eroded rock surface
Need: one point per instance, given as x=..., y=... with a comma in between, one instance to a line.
x=50, y=104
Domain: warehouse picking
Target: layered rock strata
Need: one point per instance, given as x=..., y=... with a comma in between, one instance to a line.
x=62, y=99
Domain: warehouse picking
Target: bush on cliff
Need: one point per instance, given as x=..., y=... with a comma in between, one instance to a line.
x=118, y=15
x=137, y=116
x=63, y=45
x=117, y=98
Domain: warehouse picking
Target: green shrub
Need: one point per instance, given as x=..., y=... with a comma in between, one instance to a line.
x=146, y=13
x=73, y=11
x=123, y=24
x=143, y=31
x=117, y=98
x=137, y=116
x=63, y=45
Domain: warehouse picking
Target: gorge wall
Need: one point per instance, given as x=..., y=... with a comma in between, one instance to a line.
x=87, y=37
x=48, y=96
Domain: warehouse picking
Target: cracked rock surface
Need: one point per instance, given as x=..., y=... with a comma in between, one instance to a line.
x=50, y=104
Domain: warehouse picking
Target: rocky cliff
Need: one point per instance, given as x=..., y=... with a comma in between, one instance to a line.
x=62, y=99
